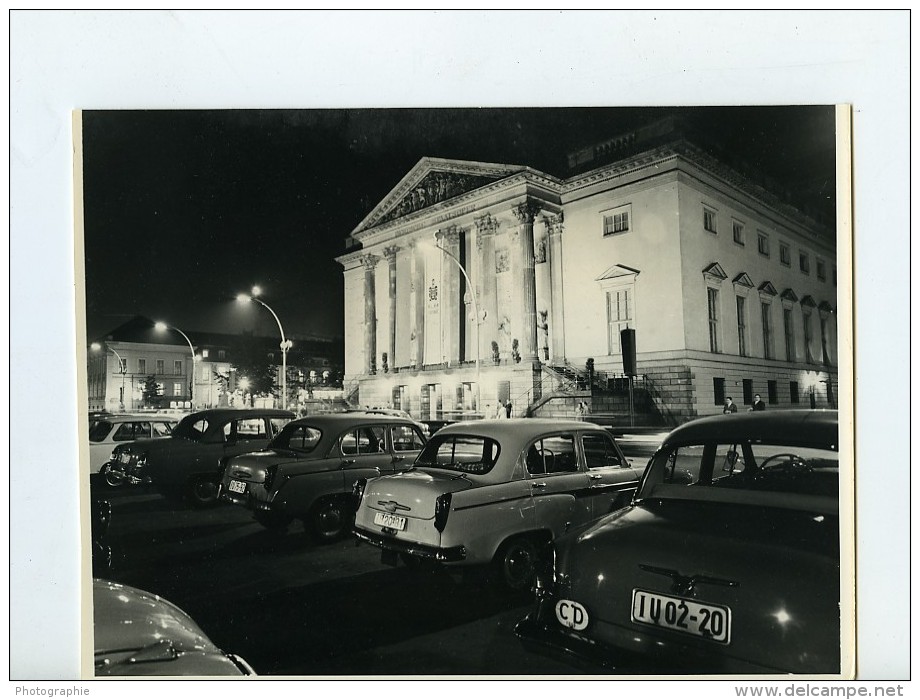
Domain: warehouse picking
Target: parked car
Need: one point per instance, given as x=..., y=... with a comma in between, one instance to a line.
x=106, y=430
x=309, y=470
x=136, y=633
x=188, y=462
x=728, y=560
x=100, y=518
x=495, y=491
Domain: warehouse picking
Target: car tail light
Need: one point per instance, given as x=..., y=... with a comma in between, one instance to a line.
x=357, y=492
x=270, y=474
x=441, y=511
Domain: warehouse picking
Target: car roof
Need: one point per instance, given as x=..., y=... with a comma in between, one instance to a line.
x=794, y=427
x=226, y=413
x=350, y=417
x=517, y=427
x=125, y=417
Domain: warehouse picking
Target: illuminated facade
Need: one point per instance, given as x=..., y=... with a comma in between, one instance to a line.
x=730, y=291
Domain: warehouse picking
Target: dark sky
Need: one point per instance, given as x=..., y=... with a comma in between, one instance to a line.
x=185, y=209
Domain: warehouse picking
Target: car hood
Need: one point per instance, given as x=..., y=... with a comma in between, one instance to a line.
x=778, y=572
x=415, y=490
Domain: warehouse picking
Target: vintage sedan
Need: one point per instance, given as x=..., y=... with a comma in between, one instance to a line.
x=136, y=633
x=309, y=470
x=188, y=462
x=108, y=430
x=728, y=561
x=495, y=492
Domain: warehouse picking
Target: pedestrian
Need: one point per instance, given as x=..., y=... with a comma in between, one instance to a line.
x=500, y=410
x=509, y=409
x=758, y=404
x=580, y=410
x=729, y=406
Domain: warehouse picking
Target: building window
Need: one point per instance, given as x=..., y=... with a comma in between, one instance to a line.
x=825, y=357
x=766, y=323
x=141, y=365
x=794, y=392
x=713, y=302
x=785, y=254
x=177, y=388
x=709, y=220
x=271, y=357
x=206, y=373
x=619, y=316
x=617, y=221
x=177, y=367
x=718, y=390
x=742, y=327
x=221, y=354
x=820, y=270
x=204, y=354
x=771, y=391
x=790, y=335
x=161, y=366
x=738, y=232
x=122, y=366
x=747, y=388
x=763, y=244
x=804, y=264
x=806, y=323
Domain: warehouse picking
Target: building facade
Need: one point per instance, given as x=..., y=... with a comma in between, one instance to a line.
x=472, y=284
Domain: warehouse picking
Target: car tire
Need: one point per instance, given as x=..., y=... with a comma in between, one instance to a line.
x=276, y=522
x=112, y=477
x=202, y=491
x=516, y=564
x=329, y=519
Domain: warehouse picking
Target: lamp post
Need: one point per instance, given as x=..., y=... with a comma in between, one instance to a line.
x=160, y=326
x=122, y=369
x=285, y=343
x=472, y=289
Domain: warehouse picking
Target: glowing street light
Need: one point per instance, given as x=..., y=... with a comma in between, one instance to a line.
x=285, y=343
x=160, y=326
x=122, y=368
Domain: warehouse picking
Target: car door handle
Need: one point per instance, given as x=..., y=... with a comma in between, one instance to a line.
x=347, y=462
x=594, y=477
x=540, y=485
x=397, y=458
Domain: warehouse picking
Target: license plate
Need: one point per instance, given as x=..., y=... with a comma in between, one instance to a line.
x=713, y=622
x=237, y=486
x=394, y=522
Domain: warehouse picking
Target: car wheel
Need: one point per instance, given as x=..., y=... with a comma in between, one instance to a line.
x=329, y=519
x=517, y=563
x=272, y=521
x=112, y=477
x=202, y=491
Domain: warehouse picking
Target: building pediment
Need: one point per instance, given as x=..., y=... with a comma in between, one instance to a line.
x=714, y=272
x=430, y=182
x=743, y=280
x=617, y=273
x=808, y=301
x=789, y=295
x=767, y=288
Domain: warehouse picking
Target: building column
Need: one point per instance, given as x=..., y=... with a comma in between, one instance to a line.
x=370, y=314
x=417, y=337
x=556, y=323
x=449, y=240
x=390, y=255
x=487, y=296
x=525, y=321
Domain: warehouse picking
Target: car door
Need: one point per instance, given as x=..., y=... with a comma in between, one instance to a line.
x=365, y=454
x=559, y=486
x=244, y=435
x=406, y=442
x=612, y=480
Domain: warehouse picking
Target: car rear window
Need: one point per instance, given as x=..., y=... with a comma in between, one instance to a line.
x=302, y=438
x=470, y=454
x=98, y=430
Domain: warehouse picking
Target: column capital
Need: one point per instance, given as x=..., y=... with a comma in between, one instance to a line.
x=390, y=253
x=370, y=261
x=450, y=235
x=526, y=212
x=554, y=224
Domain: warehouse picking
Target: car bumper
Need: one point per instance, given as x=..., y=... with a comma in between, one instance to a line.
x=423, y=551
x=243, y=499
x=547, y=639
x=127, y=473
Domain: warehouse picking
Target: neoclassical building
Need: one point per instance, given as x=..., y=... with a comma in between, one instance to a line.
x=472, y=284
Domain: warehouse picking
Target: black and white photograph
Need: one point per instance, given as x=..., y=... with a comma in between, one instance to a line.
x=427, y=390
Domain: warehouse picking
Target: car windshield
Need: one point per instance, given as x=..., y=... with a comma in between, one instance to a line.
x=470, y=454
x=98, y=430
x=191, y=428
x=298, y=437
x=744, y=466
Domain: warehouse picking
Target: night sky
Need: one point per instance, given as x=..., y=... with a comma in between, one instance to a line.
x=185, y=209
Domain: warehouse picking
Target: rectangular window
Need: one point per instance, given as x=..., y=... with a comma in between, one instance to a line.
x=709, y=220
x=766, y=321
x=141, y=366
x=804, y=264
x=616, y=222
x=177, y=388
x=619, y=316
x=204, y=354
x=820, y=270
x=738, y=232
x=790, y=335
x=161, y=366
x=763, y=244
x=785, y=254
x=825, y=358
x=205, y=373
x=713, y=301
x=794, y=392
x=177, y=367
x=742, y=328
x=771, y=391
x=718, y=390
x=747, y=387
x=806, y=323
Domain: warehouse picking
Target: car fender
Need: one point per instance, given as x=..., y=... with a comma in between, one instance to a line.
x=298, y=493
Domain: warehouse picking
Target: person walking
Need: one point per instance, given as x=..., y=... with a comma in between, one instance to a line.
x=758, y=404
x=509, y=410
x=729, y=406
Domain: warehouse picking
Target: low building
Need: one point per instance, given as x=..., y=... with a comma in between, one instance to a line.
x=474, y=284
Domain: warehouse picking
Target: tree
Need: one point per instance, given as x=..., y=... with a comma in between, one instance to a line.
x=251, y=362
x=151, y=391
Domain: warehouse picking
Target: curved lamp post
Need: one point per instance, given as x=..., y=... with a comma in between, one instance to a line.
x=122, y=369
x=160, y=326
x=472, y=290
x=285, y=343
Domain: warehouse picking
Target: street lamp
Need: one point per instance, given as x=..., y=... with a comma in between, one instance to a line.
x=160, y=326
x=122, y=369
x=285, y=343
x=472, y=288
